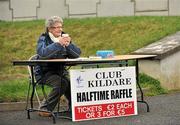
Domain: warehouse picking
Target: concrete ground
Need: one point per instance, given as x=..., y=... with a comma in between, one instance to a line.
x=164, y=110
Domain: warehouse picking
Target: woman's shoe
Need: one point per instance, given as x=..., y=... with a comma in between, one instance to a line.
x=44, y=114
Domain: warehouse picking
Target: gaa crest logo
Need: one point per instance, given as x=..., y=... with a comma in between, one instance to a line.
x=79, y=82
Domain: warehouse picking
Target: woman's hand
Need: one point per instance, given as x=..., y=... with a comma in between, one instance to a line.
x=67, y=39
x=64, y=40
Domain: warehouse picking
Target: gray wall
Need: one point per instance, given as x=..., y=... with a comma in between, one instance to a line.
x=166, y=70
x=11, y=10
x=166, y=65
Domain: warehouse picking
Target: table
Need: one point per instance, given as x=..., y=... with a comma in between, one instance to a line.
x=82, y=61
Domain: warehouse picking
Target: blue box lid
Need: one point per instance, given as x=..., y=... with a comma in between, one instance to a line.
x=105, y=53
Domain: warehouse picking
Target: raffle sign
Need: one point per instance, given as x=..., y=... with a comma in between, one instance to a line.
x=103, y=93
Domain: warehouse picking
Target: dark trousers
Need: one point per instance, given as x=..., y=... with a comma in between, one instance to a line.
x=60, y=86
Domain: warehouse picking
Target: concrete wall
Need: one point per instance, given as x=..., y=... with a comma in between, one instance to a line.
x=170, y=71
x=5, y=11
x=166, y=65
x=115, y=8
x=11, y=10
x=155, y=69
x=167, y=70
x=174, y=7
x=152, y=7
x=49, y=8
x=24, y=9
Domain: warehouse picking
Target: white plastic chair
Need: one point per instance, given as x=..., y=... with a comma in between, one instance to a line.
x=31, y=78
x=33, y=84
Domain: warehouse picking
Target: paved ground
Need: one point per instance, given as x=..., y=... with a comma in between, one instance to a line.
x=164, y=110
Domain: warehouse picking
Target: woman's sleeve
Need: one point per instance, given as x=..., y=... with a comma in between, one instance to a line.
x=48, y=51
x=73, y=51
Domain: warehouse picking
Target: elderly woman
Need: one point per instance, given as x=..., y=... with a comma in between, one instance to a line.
x=53, y=44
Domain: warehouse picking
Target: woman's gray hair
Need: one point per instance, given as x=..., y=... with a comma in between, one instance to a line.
x=52, y=20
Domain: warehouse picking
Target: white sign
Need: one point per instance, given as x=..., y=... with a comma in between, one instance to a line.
x=103, y=93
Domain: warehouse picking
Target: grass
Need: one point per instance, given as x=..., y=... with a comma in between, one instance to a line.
x=16, y=90
x=121, y=34
x=152, y=85
x=13, y=92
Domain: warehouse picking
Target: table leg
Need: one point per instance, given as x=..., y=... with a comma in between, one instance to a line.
x=33, y=86
x=141, y=92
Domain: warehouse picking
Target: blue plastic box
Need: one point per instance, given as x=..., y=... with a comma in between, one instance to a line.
x=105, y=53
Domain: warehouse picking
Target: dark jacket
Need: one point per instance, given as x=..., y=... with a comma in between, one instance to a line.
x=47, y=49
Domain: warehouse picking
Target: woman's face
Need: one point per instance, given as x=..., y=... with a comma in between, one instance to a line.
x=56, y=29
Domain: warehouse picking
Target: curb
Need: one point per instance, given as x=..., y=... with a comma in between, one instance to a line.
x=19, y=106
x=12, y=106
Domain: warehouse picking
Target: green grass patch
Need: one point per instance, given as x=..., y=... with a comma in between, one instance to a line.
x=16, y=90
x=153, y=85
x=13, y=90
